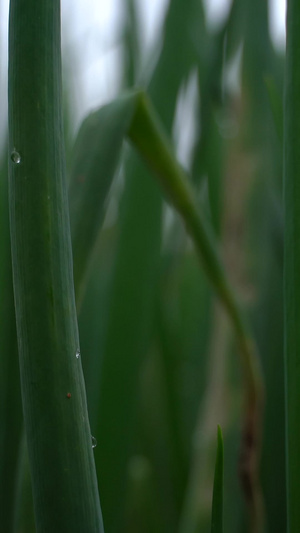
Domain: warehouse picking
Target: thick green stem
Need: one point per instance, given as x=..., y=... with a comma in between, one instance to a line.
x=292, y=260
x=53, y=393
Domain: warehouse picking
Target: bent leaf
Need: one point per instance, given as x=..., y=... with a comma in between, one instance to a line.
x=95, y=158
x=146, y=133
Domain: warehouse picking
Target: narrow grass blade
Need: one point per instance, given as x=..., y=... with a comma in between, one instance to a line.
x=92, y=320
x=169, y=356
x=132, y=45
x=276, y=105
x=139, y=248
x=257, y=56
x=136, y=270
x=292, y=261
x=129, y=313
x=11, y=419
x=183, y=327
x=148, y=137
x=270, y=342
x=24, y=516
x=184, y=39
x=95, y=157
x=217, y=502
x=209, y=151
x=57, y=428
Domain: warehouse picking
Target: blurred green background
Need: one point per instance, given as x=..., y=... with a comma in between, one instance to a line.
x=159, y=356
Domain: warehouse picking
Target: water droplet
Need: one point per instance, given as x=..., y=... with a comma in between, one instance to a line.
x=15, y=157
x=48, y=197
x=77, y=354
x=94, y=442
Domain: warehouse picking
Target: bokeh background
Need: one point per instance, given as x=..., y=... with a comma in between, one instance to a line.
x=159, y=356
x=92, y=40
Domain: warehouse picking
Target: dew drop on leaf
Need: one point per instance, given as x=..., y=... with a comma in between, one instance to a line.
x=15, y=157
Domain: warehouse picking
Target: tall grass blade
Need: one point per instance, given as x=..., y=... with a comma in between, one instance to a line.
x=217, y=502
x=96, y=153
x=131, y=48
x=147, y=135
x=11, y=423
x=136, y=263
x=24, y=515
x=170, y=356
x=137, y=259
x=292, y=261
x=275, y=101
x=57, y=428
x=92, y=319
x=129, y=313
x=270, y=342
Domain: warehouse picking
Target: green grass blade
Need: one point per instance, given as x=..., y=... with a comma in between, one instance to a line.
x=130, y=311
x=169, y=356
x=11, y=420
x=95, y=157
x=131, y=45
x=275, y=101
x=183, y=324
x=148, y=137
x=292, y=261
x=269, y=325
x=136, y=270
x=184, y=36
x=257, y=58
x=92, y=320
x=217, y=502
x=24, y=517
x=60, y=451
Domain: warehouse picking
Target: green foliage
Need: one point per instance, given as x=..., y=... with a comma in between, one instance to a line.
x=292, y=258
x=146, y=134
x=53, y=391
x=217, y=502
x=11, y=408
x=173, y=271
